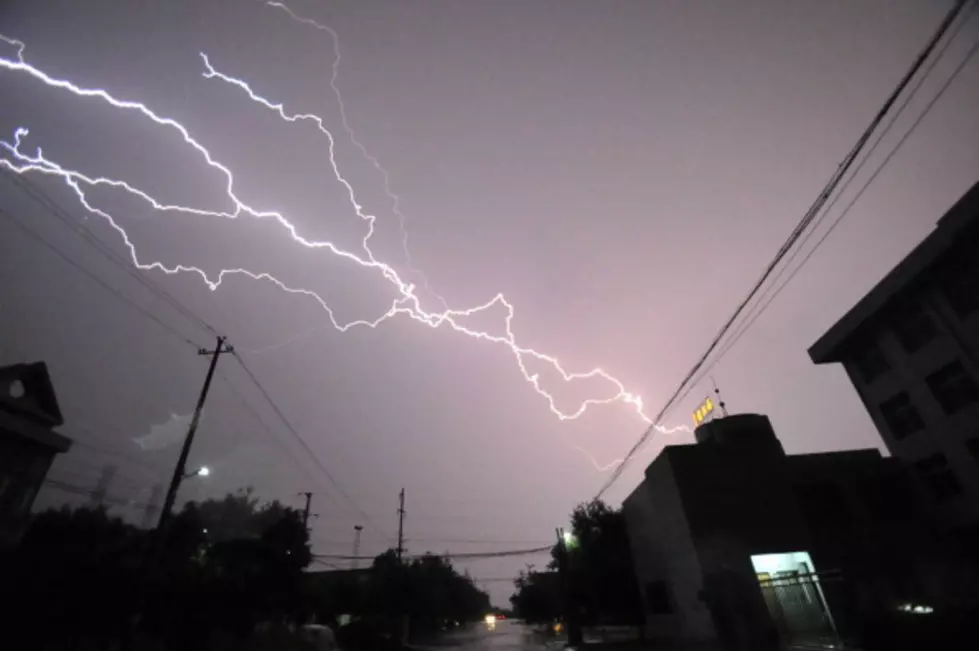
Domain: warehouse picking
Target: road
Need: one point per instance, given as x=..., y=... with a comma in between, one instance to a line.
x=501, y=636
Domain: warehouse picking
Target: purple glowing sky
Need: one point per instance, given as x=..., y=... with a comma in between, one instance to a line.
x=621, y=171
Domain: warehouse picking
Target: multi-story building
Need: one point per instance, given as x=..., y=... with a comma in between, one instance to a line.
x=733, y=539
x=911, y=350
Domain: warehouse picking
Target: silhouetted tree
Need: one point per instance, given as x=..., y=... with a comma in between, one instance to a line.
x=602, y=580
x=538, y=598
x=71, y=577
x=78, y=577
x=427, y=589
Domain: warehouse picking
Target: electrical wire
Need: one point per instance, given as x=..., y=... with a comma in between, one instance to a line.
x=68, y=487
x=44, y=199
x=450, y=555
x=850, y=205
x=475, y=541
x=762, y=304
x=265, y=427
x=302, y=442
x=156, y=472
x=112, y=290
x=90, y=466
x=793, y=237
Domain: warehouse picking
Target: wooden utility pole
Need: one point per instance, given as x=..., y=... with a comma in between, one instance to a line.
x=357, y=529
x=401, y=524
x=309, y=498
x=102, y=488
x=180, y=469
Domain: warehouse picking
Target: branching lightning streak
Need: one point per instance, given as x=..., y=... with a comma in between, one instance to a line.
x=408, y=303
x=386, y=178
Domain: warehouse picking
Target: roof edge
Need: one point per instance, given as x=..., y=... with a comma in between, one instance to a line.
x=828, y=348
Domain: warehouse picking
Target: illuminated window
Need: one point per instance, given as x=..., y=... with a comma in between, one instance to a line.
x=953, y=387
x=870, y=363
x=913, y=326
x=938, y=477
x=901, y=416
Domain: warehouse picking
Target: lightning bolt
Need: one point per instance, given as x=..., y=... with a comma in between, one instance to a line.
x=407, y=303
x=386, y=178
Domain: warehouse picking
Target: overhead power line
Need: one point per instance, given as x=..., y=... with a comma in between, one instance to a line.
x=112, y=290
x=793, y=237
x=68, y=487
x=42, y=198
x=451, y=555
x=762, y=304
x=850, y=205
x=305, y=446
x=476, y=541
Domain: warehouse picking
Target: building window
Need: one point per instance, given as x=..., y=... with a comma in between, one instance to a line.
x=953, y=387
x=938, y=477
x=870, y=362
x=901, y=416
x=959, y=282
x=657, y=598
x=913, y=326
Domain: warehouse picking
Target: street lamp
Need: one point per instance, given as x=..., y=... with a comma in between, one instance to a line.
x=203, y=471
x=569, y=539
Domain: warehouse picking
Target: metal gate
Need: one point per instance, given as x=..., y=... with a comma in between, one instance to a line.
x=798, y=607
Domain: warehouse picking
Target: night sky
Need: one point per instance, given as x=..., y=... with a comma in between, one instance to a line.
x=620, y=171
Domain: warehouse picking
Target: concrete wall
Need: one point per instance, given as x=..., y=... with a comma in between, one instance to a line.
x=738, y=502
x=663, y=550
x=958, y=339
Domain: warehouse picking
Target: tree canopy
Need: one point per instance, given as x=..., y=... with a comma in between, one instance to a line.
x=601, y=580
x=220, y=567
x=427, y=589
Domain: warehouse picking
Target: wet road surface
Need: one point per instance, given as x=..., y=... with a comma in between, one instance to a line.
x=501, y=636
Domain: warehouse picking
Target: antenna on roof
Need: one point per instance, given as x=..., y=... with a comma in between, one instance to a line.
x=720, y=402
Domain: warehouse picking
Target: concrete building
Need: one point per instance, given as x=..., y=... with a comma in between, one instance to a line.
x=911, y=350
x=29, y=413
x=732, y=539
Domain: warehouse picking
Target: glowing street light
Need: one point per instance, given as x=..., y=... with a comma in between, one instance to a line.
x=569, y=539
x=203, y=471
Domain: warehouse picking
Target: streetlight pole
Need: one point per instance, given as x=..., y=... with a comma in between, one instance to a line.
x=571, y=622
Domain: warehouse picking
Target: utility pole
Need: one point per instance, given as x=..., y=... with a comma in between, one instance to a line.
x=149, y=515
x=179, y=470
x=102, y=488
x=403, y=633
x=401, y=524
x=309, y=498
x=357, y=529
x=571, y=622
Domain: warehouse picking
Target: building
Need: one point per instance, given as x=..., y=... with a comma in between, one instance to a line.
x=29, y=413
x=732, y=539
x=911, y=350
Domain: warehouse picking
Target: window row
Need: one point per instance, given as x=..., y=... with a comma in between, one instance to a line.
x=913, y=324
x=951, y=385
x=935, y=473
